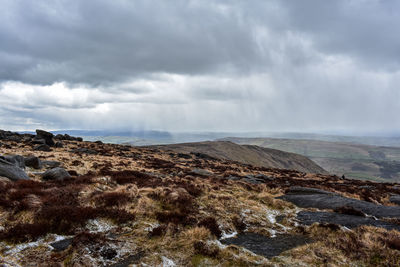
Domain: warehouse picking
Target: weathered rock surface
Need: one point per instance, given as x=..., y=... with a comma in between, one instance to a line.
x=395, y=199
x=56, y=174
x=17, y=160
x=42, y=147
x=51, y=163
x=11, y=171
x=48, y=137
x=33, y=162
x=350, y=221
x=305, y=198
x=267, y=246
x=62, y=244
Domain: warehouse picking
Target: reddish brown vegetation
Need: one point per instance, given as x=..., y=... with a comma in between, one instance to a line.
x=158, y=231
x=211, y=224
x=110, y=199
x=203, y=249
x=56, y=207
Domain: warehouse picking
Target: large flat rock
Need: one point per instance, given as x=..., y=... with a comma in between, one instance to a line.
x=350, y=221
x=327, y=200
x=267, y=246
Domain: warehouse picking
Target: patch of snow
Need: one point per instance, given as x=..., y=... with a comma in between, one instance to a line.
x=284, y=228
x=21, y=247
x=228, y=235
x=167, y=262
x=98, y=226
x=271, y=215
x=216, y=242
x=243, y=213
x=151, y=226
x=272, y=232
x=346, y=229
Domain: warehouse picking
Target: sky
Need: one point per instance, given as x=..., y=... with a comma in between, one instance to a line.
x=201, y=65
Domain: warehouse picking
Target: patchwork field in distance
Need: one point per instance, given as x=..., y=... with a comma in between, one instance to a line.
x=378, y=163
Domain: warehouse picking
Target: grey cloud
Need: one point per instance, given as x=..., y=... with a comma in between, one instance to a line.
x=364, y=30
x=98, y=42
x=200, y=65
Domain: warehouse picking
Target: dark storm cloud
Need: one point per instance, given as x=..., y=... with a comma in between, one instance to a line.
x=97, y=42
x=364, y=29
x=200, y=65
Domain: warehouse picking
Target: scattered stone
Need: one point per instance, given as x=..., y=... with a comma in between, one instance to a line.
x=183, y=156
x=42, y=147
x=48, y=137
x=59, y=144
x=201, y=172
x=62, y=244
x=350, y=221
x=267, y=246
x=11, y=171
x=33, y=162
x=108, y=253
x=83, y=150
x=17, y=160
x=99, y=142
x=128, y=261
x=51, y=163
x=253, y=179
x=56, y=174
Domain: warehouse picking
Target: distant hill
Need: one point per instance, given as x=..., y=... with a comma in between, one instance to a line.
x=379, y=163
x=248, y=154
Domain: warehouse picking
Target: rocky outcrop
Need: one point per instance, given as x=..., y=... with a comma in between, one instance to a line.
x=11, y=171
x=350, y=221
x=68, y=137
x=17, y=160
x=56, y=174
x=46, y=136
x=320, y=199
x=33, y=162
x=42, y=147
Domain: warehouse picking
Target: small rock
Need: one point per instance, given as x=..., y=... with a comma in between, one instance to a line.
x=201, y=172
x=59, y=144
x=108, y=253
x=62, y=244
x=56, y=174
x=33, y=162
x=51, y=163
x=42, y=147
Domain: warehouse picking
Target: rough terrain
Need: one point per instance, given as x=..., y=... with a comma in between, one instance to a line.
x=94, y=204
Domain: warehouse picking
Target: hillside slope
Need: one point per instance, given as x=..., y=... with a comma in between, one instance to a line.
x=248, y=154
x=353, y=160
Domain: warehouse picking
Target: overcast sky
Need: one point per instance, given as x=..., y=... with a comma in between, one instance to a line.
x=181, y=65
